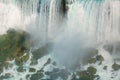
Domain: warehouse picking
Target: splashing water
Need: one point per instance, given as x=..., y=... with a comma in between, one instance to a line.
x=87, y=25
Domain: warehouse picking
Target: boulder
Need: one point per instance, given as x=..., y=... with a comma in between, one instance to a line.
x=115, y=66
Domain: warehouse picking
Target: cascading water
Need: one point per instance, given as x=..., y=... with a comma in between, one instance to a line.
x=75, y=28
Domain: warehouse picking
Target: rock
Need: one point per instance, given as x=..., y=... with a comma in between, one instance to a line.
x=13, y=45
x=27, y=77
x=25, y=57
x=32, y=70
x=92, y=60
x=116, y=66
x=83, y=75
x=105, y=67
x=20, y=69
x=99, y=58
x=48, y=62
x=38, y=75
x=88, y=74
x=91, y=70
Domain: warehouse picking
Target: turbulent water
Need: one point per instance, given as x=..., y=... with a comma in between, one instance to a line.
x=74, y=31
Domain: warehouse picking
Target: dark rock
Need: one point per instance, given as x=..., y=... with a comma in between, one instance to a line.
x=116, y=66
x=105, y=67
x=54, y=63
x=91, y=70
x=88, y=74
x=37, y=75
x=20, y=69
x=99, y=58
x=48, y=62
x=32, y=70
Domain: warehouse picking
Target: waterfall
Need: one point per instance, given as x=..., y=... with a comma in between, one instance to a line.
x=74, y=27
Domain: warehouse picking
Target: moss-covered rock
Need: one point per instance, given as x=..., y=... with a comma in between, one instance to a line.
x=88, y=74
x=25, y=57
x=99, y=58
x=20, y=69
x=48, y=62
x=13, y=45
x=32, y=70
x=91, y=70
x=38, y=75
x=116, y=66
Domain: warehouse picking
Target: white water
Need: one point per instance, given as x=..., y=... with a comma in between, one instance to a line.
x=88, y=24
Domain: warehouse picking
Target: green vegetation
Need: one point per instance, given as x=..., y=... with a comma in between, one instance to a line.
x=13, y=45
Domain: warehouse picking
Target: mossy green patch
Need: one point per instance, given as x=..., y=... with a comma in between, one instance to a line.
x=13, y=45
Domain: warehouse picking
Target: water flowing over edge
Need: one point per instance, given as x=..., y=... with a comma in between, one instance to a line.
x=87, y=23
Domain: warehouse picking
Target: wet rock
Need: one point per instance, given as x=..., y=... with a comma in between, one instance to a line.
x=20, y=69
x=13, y=45
x=48, y=62
x=99, y=58
x=83, y=75
x=116, y=66
x=27, y=77
x=105, y=67
x=58, y=73
x=91, y=70
x=25, y=57
x=32, y=70
x=88, y=74
x=38, y=75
